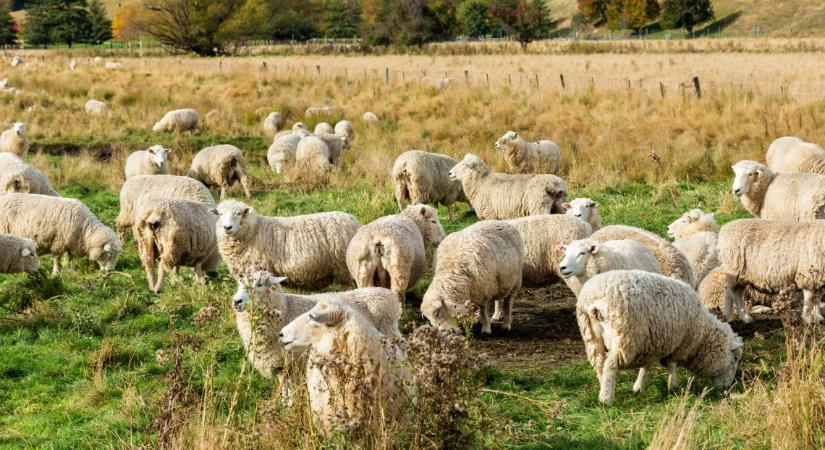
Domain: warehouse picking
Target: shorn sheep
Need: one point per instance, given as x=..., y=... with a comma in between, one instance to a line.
x=695, y=236
x=586, y=258
x=272, y=123
x=18, y=255
x=17, y=176
x=15, y=140
x=506, y=196
x=95, y=107
x=177, y=120
x=59, y=226
x=310, y=250
x=529, y=157
x=390, y=252
x=422, y=177
x=475, y=266
x=152, y=161
x=220, y=166
x=635, y=319
x=176, y=233
x=779, y=196
x=790, y=154
x=585, y=209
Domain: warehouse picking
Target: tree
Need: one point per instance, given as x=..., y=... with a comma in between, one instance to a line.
x=594, y=10
x=631, y=14
x=57, y=22
x=442, y=16
x=476, y=20
x=523, y=20
x=126, y=21
x=342, y=18
x=100, y=27
x=8, y=27
x=294, y=19
x=402, y=22
x=686, y=13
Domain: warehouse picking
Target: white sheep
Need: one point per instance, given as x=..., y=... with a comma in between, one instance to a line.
x=95, y=107
x=694, y=235
x=438, y=83
x=73, y=64
x=97, y=60
x=152, y=161
x=282, y=151
x=586, y=258
x=586, y=210
x=337, y=144
x=177, y=120
x=529, y=157
x=220, y=166
x=422, y=177
x=370, y=117
x=632, y=319
x=18, y=176
x=714, y=293
x=790, y=154
x=344, y=127
x=475, y=266
x=507, y=196
x=112, y=65
x=323, y=128
x=16, y=61
x=15, y=140
x=58, y=226
x=18, y=254
x=310, y=250
x=779, y=196
x=318, y=110
x=272, y=123
x=313, y=154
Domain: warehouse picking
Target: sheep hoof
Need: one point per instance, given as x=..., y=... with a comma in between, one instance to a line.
x=747, y=318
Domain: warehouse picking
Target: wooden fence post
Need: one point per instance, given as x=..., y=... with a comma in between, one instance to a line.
x=537, y=82
x=386, y=75
x=561, y=77
x=698, y=87
x=318, y=68
x=467, y=77
x=488, y=79
x=662, y=89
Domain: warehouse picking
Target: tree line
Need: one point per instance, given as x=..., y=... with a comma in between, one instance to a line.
x=50, y=22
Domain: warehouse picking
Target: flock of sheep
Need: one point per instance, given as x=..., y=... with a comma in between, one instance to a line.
x=641, y=300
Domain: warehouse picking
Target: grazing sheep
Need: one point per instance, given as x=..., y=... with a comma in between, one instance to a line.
x=356, y=377
x=529, y=157
x=95, y=107
x=18, y=254
x=672, y=262
x=480, y=264
x=272, y=123
x=344, y=127
x=714, y=294
x=18, y=176
x=586, y=210
x=314, y=154
x=323, y=128
x=58, y=226
x=632, y=319
x=695, y=236
x=790, y=154
x=390, y=252
x=16, y=61
x=177, y=120
x=438, y=83
x=422, y=177
x=220, y=166
x=337, y=144
x=310, y=250
x=541, y=235
x=143, y=190
x=176, y=233
x=370, y=117
x=586, y=258
x=15, y=140
x=505, y=196
x=152, y=161
x=282, y=151
x=779, y=196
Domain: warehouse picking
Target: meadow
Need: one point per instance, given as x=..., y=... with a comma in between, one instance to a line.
x=94, y=359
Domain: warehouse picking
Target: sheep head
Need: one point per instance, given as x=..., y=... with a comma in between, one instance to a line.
x=315, y=326
x=232, y=217
x=747, y=175
x=470, y=163
x=691, y=222
x=582, y=208
x=507, y=137
x=159, y=154
x=576, y=256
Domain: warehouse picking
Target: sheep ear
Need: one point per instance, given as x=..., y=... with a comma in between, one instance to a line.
x=561, y=248
x=215, y=211
x=566, y=205
x=25, y=252
x=423, y=211
x=245, y=211
x=329, y=318
x=690, y=219
x=107, y=247
x=151, y=150
x=276, y=280
x=594, y=249
x=594, y=205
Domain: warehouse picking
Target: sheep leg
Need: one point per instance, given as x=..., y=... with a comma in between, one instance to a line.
x=639, y=386
x=244, y=183
x=199, y=275
x=810, y=307
x=399, y=286
x=608, y=380
x=484, y=313
x=224, y=188
x=508, y=309
x=56, y=265
x=451, y=212
x=672, y=377
x=497, y=313
x=150, y=275
x=161, y=276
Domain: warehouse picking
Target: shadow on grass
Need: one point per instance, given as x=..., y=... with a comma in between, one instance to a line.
x=719, y=25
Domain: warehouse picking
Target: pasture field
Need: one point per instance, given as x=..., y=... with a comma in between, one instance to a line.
x=92, y=359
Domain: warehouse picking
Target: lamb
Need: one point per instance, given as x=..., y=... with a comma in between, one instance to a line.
x=586, y=210
x=779, y=196
x=356, y=378
x=475, y=266
x=633, y=319
x=586, y=258
x=541, y=235
x=17, y=176
x=143, y=190
x=790, y=154
x=529, y=157
x=370, y=117
x=220, y=166
x=282, y=151
x=152, y=161
x=15, y=140
x=770, y=256
x=18, y=255
x=422, y=177
x=695, y=236
x=310, y=250
x=95, y=107
x=672, y=262
x=323, y=128
x=314, y=154
x=272, y=123
x=59, y=225
x=177, y=120
x=391, y=252
x=506, y=196
x=176, y=233
x=344, y=128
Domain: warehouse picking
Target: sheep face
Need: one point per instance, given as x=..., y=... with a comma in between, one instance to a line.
x=251, y=290
x=315, y=328
x=437, y=312
x=746, y=173
x=508, y=136
x=29, y=262
x=15, y=183
x=299, y=126
x=19, y=128
x=691, y=222
x=470, y=163
x=106, y=255
x=159, y=154
x=576, y=255
x=583, y=208
x=430, y=215
x=725, y=369
x=232, y=215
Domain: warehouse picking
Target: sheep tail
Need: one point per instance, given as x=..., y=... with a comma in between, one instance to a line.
x=377, y=248
x=402, y=188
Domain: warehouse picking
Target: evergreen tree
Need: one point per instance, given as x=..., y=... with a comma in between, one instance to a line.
x=686, y=13
x=8, y=27
x=476, y=20
x=57, y=22
x=100, y=27
x=403, y=22
x=342, y=18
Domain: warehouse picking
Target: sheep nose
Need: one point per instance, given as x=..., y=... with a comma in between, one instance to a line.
x=227, y=227
x=578, y=215
x=281, y=335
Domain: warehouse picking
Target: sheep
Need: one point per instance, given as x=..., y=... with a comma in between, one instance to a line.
x=15, y=140
x=586, y=258
x=529, y=157
x=505, y=196
x=344, y=127
x=672, y=262
x=58, y=226
x=220, y=166
x=337, y=144
x=313, y=154
x=272, y=123
x=714, y=294
x=541, y=235
x=176, y=233
x=586, y=210
x=112, y=65
x=318, y=110
x=142, y=190
x=16, y=61
x=370, y=117
x=356, y=377
x=282, y=151
x=790, y=154
x=310, y=250
x=779, y=196
x=323, y=128
x=438, y=83
x=73, y=64
x=17, y=176
x=632, y=319
x=477, y=265
x=422, y=177
x=95, y=107
x=695, y=236
x=152, y=161
x=391, y=252
x=97, y=60
x=177, y=120
x=18, y=255
x=770, y=256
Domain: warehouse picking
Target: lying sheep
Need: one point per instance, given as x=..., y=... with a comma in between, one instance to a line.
x=529, y=157
x=390, y=252
x=779, y=196
x=177, y=120
x=790, y=154
x=323, y=128
x=18, y=254
x=313, y=154
x=480, y=264
x=152, y=161
x=15, y=140
x=95, y=107
x=272, y=123
x=17, y=176
x=282, y=151
x=59, y=225
x=176, y=233
x=344, y=128
x=586, y=258
x=541, y=235
x=220, y=166
x=586, y=210
x=421, y=177
x=695, y=236
x=672, y=262
x=370, y=117
x=634, y=319
x=506, y=196
x=310, y=250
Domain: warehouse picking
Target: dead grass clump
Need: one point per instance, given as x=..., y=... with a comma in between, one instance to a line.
x=175, y=405
x=677, y=431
